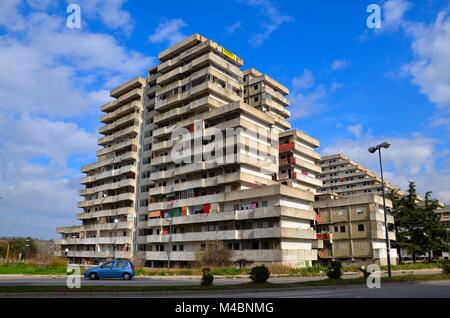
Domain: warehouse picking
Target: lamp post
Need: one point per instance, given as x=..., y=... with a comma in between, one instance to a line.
x=170, y=242
x=116, y=222
x=373, y=149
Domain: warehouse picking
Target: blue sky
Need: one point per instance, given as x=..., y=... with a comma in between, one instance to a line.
x=350, y=86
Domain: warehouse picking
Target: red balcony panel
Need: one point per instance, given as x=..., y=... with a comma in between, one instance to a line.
x=286, y=147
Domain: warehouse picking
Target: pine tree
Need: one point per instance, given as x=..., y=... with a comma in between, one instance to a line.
x=433, y=227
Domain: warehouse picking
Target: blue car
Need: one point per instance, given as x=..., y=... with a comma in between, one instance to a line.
x=112, y=269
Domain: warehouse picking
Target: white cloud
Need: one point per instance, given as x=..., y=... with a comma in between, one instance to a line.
x=108, y=12
x=431, y=49
x=231, y=29
x=412, y=157
x=28, y=137
x=51, y=78
x=49, y=69
x=338, y=65
x=303, y=81
x=307, y=98
x=393, y=14
x=355, y=130
x=274, y=19
x=38, y=196
x=10, y=17
x=168, y=31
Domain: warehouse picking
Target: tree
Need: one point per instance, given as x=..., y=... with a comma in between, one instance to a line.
x=417, y=228
x=18, y=247
x=408, y=223
x=433, y=227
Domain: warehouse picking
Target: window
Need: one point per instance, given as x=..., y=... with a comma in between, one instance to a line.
x=181, y=247
x=336, y=229
x=360, y=227
x=264, y=204
x=174, y=248
x=121, y=264
x=359, y=211
x=108, y=265
x=255, y=87
x=342, y=228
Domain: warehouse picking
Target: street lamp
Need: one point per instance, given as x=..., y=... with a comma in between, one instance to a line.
x=116, y=222
x=373, y=149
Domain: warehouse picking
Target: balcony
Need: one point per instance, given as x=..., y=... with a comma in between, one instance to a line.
x=109, y=226
x=299, y=148
x=126, y=87
x=269, y=255
x=106, y=200
x=202, y=102
x=197, y=90
x=95, y=240
x=131, y=155
x=247, y=214
x=120, y=112
x=200, y=183
x=123, y=133
x=133, y=142
x=127, y=120
x=110, y=212
x=109, y=174
x=109, y=186
x=96, y=254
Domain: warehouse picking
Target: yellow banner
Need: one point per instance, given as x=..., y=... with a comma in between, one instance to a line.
x=228, y=54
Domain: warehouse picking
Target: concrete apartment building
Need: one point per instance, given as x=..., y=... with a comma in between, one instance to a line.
x=352, y=229
x=444, y=213
x=109, y=194
x=191, y=157
x=347, y=178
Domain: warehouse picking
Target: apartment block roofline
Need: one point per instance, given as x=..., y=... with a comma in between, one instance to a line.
x=301, y=135
x=191, y=41
x=352, y=200
x=267, y=79
x=127, y=86
x=365, y=170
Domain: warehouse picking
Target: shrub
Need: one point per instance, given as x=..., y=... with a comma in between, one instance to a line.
x=214, y=256
x=334, y=270
x=259, y=274
x=446, y=267
x=207, y=277
x=58, y=262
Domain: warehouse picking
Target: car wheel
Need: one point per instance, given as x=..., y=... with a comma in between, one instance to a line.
x=126, y=276
x=93, y=276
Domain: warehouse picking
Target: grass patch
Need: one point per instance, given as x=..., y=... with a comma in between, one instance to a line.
x=412, y=266
x=249, y=286
x=32, y=269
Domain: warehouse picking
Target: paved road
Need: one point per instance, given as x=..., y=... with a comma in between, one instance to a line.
x=430, y=289
x=29, y=280
x=139, y=281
